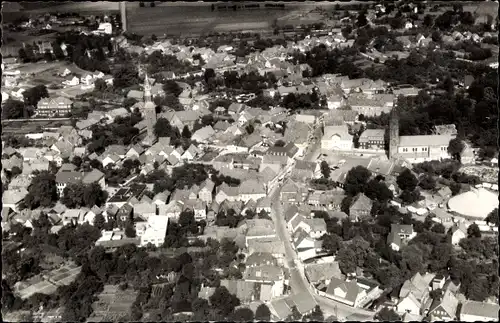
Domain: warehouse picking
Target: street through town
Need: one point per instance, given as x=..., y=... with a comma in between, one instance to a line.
x=298, y=281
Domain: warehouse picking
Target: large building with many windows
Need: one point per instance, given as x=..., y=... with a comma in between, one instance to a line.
x=54, y=107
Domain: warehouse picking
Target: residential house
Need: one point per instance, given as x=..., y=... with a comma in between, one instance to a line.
x=414, y=295
x=371, y=105
x=290, y=150
x=95, y=176
x=360, y=208
x=66, y=178
x=251, y=189
x=263, y=204
x=472, y=311
x=444, y=308
x=206, y=191
x=346, y=292
x=337, y=137
x=13, y=198
x=372, y=139
x=203, y=135
x=458, y=232
x=75, y=216
x=303, y=170
x=235, y=108
x=292, y=193
x=400, y=234
x=134, y=152
x=226, y=192
x=267, y=274
x=52, y=107
x=314, y=227
x=198, y=207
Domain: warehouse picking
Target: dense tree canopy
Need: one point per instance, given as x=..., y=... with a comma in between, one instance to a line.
x=42, y=191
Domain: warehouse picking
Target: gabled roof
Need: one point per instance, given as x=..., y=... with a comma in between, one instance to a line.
x=252, y=186
x=350, y=288
x=361, y=201
x=449, y=303
x=480, y=309
x=291, y=212
x=402, y=228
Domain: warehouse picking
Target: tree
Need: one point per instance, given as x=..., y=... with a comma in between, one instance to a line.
x=455, y=148
x=186, y=133
x=331, y=242
x=362, y=21
x=356, y=180
x=163, y=128
x=279, y=143
x=325, y=169
x=406, y=180
x=294, y=315
x=427, y=182
x=77, y=161
x=428, y=21
x=377, y=190
x=130, y=230
x=58, y=52
x=243, y=314
x=13, y=109
x=223, y=301
x=387, y=315
x=23, y=55
x=127, y=75
x=42, y=191
x=438, y=228
x=100, y=85
x=34, y=94
x=315, y=315
x=249, y=129
x=209, y=74
x=436, y=36
x=86, y=195
x=99, y=221
x=493, y=217
x=172, y=87
x=262, y=313
x=473, y=231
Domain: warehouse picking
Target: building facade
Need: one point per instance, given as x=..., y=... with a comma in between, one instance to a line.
x=54, y=107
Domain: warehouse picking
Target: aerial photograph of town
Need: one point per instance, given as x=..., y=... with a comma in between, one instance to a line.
x=247, y=161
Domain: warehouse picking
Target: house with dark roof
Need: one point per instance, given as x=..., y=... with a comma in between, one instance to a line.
x=303, y=170
x=372, y=139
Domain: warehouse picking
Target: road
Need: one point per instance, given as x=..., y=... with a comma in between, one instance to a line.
x=298, y=281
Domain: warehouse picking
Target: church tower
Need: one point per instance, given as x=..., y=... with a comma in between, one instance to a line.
x=149, y=113
x=393, y=133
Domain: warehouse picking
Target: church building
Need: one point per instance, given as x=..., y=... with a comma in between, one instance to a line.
x=416, y=149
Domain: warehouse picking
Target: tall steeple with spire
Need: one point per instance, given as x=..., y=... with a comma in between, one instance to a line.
x=147, y=89
x=149, y=113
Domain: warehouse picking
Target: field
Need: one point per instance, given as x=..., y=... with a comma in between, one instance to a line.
x=23, y=127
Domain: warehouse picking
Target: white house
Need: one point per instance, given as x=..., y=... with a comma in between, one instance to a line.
x=458, y=232
x=337, y=138
x=153, y=231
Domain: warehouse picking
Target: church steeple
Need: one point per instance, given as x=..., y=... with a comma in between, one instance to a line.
x=147, y=89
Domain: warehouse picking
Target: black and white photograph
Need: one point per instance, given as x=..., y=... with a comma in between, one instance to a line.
x=250, y=161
